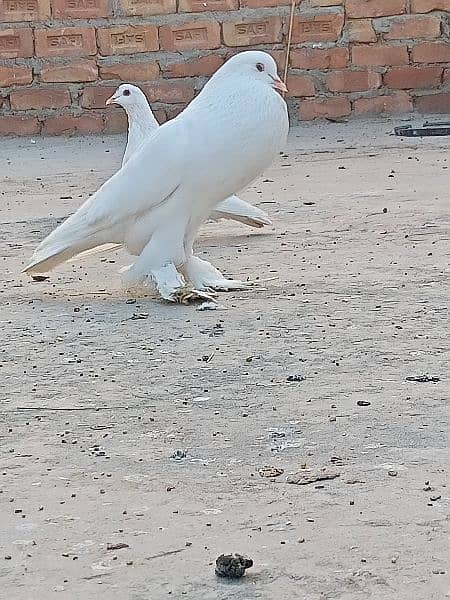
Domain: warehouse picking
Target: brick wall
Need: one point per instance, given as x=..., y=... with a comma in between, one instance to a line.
x=60, y=59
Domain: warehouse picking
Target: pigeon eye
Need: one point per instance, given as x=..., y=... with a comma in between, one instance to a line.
x=260, y=67
x=126, y=92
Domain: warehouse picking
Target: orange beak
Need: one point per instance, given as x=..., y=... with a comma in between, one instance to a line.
x=279, y=85
x=110, y=101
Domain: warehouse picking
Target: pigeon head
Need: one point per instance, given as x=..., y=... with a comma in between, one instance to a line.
x=256, y=65
x=127, y=95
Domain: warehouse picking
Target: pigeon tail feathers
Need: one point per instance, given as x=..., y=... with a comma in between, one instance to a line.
x=74, y=236
x=235, y=209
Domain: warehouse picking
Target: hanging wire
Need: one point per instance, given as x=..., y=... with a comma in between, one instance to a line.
x=289, y=40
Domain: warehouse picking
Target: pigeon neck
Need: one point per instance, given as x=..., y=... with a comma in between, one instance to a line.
x=141, y=118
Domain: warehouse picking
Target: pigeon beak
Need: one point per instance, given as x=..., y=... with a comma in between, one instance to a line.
x=279, y=85
x=110, y=101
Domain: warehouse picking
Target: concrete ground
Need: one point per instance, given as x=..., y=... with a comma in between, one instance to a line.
x=134, y=433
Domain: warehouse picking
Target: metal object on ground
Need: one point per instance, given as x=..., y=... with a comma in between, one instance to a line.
x=428, y=129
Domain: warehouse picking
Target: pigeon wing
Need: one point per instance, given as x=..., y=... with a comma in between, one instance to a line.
x=144, y=183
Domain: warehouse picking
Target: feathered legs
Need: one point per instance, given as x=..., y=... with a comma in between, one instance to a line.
x=202, y=275
x=157, y=264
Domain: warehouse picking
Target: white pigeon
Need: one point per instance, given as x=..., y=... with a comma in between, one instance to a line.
x=142, y=124
x=155, y=204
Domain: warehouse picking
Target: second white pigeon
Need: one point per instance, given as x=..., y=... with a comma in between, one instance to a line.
x=142, y=124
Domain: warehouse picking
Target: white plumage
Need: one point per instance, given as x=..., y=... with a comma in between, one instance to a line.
x=142, y=124
x=156, y=203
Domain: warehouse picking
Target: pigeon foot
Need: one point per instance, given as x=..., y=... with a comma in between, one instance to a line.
x=189, y=295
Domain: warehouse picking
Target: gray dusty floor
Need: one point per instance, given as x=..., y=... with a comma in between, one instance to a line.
x=98, y=395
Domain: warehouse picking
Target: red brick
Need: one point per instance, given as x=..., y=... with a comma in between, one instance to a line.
x=160, y=115
x=279, y=57
x=16, y=125
x=128, y=39
x=353, y=81
x=404, y=78
x=359, y=9
x=83, y=70
x=172, y=92
x=95, y=97
x=300, y=85
x=64, y=124
x=12, y=11
x=399, y=102
x=81, y=9
x=435, y=103
x=16, y=43
x=412, y=27
x=446, y=79
x=359, y=30
x=206, y=5
x=319, y=58
x=325, y=27
x=39, y=98
x=195, y=35
x=251, y=33
x=115, y=121
x=148, y=7
x=67, y=41
x=331, y=108
x=15, y=75
x=431, y=53
x=426, y=6
x=141, y=71
x=203, y=66
x=380, y=55
x=264, y=3
x=174, y=111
